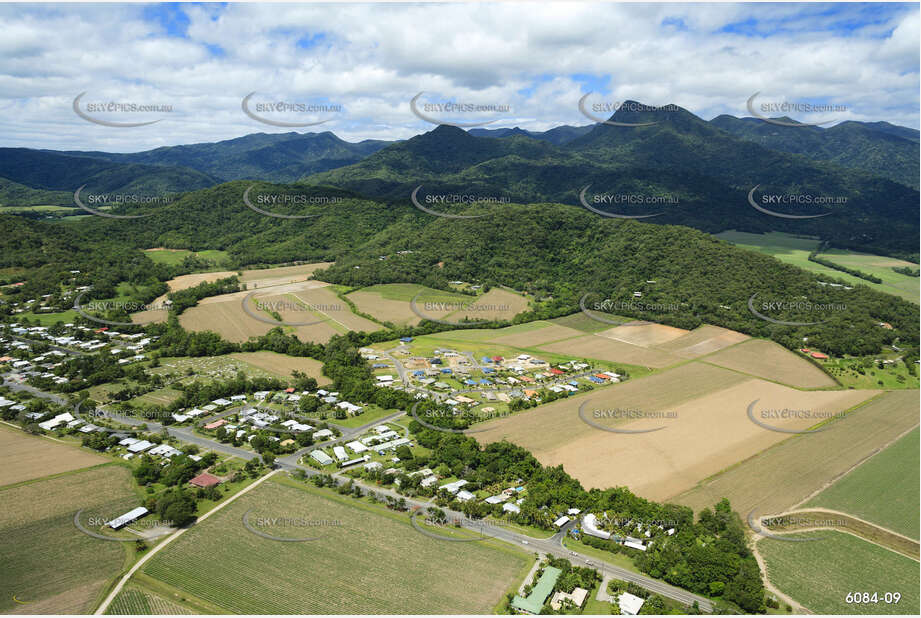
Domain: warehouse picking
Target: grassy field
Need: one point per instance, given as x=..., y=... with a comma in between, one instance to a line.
x=365, y=560
x=795, y=250
x=883, y=490
x=821, y=574
x=854, y=373
x=581, y=322
x=788, y=473
x=159, y=397
x=171, y=257
x=47, y=563
x=24, y=457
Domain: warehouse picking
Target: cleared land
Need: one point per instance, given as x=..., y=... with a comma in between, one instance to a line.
x=325, y=302
x=260, y=278
x=771, y=361
x=547, y=333
x=795, y=250
x=496, y=304
x=581, y=322
x=24, y=457
x=281, y=364
x=47, y=563
x=603, y=348
x=225, y=315
x=703, y=340
x=820, y=574
x=708, y=430
x=370, y=562
x=646, y=334
x=883, y=489
x=791, y=471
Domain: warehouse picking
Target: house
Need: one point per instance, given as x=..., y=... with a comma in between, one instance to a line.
x=562, y=521
x=373, y=465
x=497, y=499
x=323, y=433
x=630, y=604
x=216, y=424
x=453, y=488
x=428, y=481
x=464, y=496
x=590, y=527
x=576, y=597
x=320, y=457
x=508, y=507
x=131, y=516
x=57, y=420
x=539, y=593
x=357, y=446
x=140, y=447
x=221, y=402
x=340, y=453
x=205, y=480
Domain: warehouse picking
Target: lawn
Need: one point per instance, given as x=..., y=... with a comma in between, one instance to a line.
x=820, y=574
x=364, y=560
x=883, y=490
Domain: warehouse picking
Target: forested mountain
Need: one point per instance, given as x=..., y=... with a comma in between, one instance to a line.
x=705, y=170
x=879, y=148
x=276, y=157
x=548, y=250
x=53, y=171
x=556, y=135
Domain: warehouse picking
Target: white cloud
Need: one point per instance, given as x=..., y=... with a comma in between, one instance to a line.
x=373, y=58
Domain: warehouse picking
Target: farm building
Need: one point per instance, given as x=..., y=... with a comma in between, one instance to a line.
x=131, y=516
x=205, y=480
x=539, y=593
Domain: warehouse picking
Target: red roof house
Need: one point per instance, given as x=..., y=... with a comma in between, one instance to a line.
x=205, y=480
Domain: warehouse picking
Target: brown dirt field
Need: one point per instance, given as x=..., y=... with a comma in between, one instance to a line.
x=771, y=361
x=396, y=311
x=550, y=333
x=24, y=457
x=710, y=433
x=282, y=365
x=703, y=340
x=602, y=348
x=77, y=600
x=226, y=318
x=224, y=314
x=261, y=278
x=644, y=334
x=787, y=473
x=184, y=282
x=548, y=427
x=493, y=304
x=330, y=305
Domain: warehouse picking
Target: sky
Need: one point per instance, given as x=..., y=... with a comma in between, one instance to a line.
x=362, y=64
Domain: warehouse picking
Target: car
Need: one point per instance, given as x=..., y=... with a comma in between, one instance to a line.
x=524, y=542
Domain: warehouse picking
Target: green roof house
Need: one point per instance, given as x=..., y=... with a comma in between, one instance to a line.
x=539, y=593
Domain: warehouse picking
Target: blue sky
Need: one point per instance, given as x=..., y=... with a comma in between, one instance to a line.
x=200, y=60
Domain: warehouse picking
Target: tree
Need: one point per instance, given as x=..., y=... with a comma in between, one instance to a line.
x=268, y=459
x=177, y=506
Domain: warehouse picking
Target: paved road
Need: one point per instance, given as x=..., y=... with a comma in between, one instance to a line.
x=552, y=545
